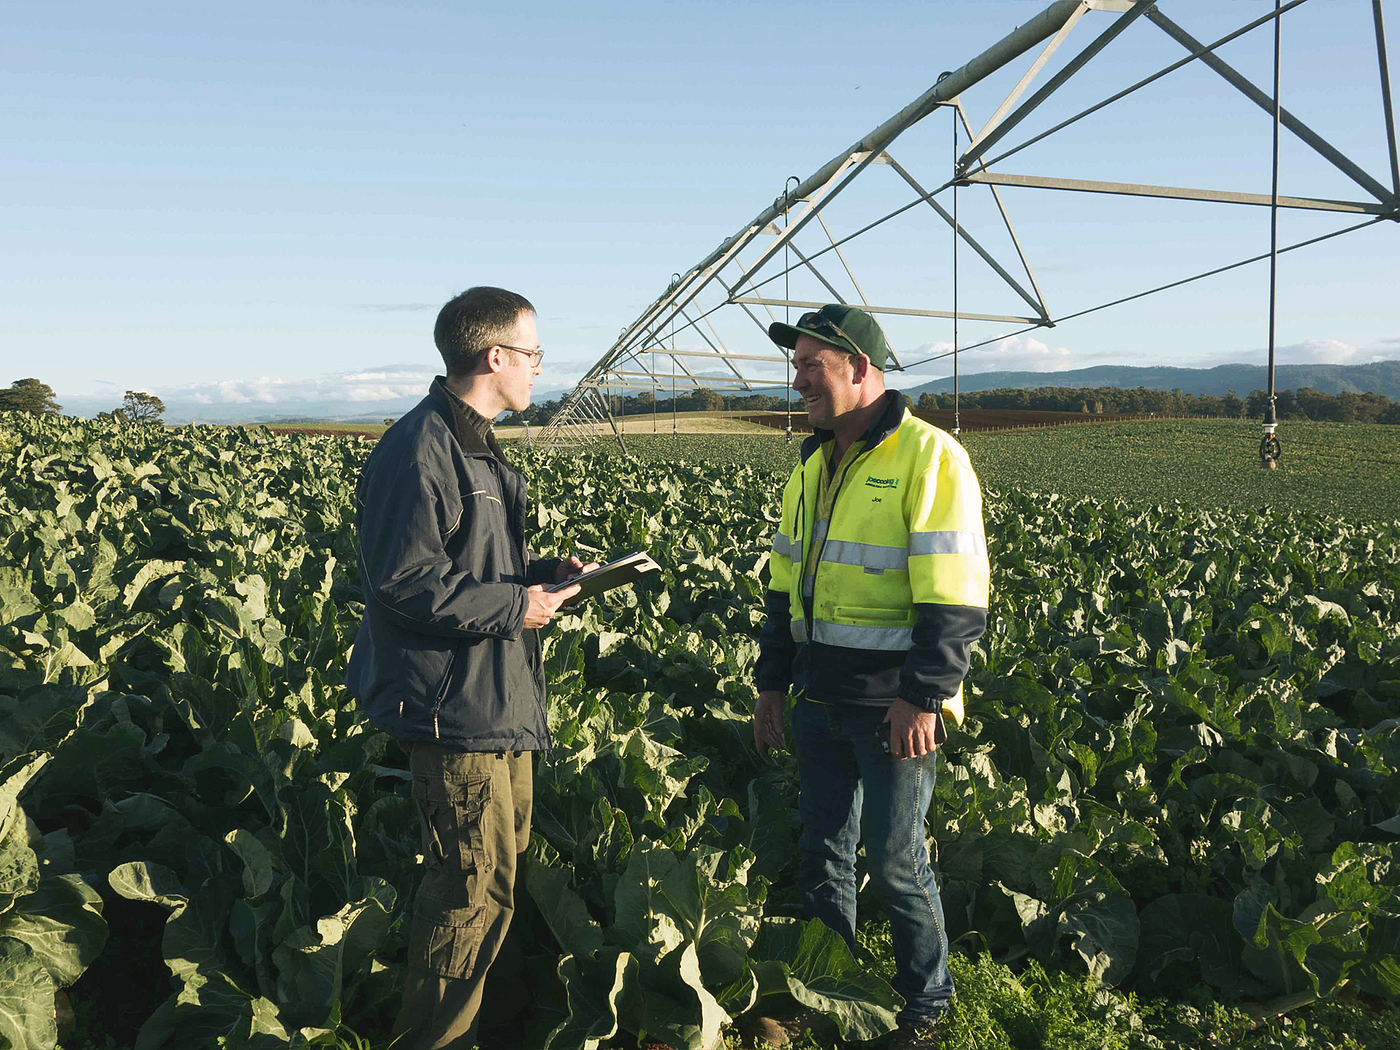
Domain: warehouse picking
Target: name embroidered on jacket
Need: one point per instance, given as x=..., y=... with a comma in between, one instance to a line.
x=882, y=483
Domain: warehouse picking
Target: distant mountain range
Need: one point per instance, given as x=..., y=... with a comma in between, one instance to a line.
x=186, y=410
x=1381, y=377
x=182, y=410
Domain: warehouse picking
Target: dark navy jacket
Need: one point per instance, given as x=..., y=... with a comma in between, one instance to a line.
x=442, y=655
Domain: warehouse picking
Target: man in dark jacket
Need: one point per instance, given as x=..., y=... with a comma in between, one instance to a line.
x=447, y=659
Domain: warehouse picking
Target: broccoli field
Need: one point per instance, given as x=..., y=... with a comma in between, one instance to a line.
x=1173, y=807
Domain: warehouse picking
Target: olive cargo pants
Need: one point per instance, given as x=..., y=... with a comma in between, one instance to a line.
x=474, y=809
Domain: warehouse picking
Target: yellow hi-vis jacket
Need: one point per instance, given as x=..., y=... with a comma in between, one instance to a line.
x=880, y=569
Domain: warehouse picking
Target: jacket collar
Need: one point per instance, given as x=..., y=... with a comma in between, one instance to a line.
x=886, y=423
x=447, y=405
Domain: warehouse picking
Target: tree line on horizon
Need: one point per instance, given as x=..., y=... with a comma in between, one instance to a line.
x=31, y=395
x=1305, y=403
x=1302, y=404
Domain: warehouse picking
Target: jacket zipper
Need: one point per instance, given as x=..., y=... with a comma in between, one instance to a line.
x=442, y=692
x=523, y=564
x=809, y=604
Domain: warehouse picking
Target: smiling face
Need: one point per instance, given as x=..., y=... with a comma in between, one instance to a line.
x=826, y=379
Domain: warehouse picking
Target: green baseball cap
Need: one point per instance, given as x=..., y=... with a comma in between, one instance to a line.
x=847, y=328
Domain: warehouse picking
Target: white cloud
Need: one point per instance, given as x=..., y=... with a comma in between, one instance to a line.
x=394, y=377
x=386, y=383
x=1020, y=353
x=1328, y=352
x=383, y=392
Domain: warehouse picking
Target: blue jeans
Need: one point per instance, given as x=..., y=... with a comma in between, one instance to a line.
x=852, y=791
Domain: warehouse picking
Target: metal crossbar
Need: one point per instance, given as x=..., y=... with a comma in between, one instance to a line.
x=694, y=302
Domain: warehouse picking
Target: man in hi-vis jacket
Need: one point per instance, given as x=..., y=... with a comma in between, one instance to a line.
x=447, y=660
x=879, y=581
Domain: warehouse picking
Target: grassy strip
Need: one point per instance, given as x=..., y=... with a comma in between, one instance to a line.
x=1339, y=469
x=1346, y=470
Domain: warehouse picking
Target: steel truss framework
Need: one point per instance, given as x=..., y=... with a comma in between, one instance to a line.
x=725, y=281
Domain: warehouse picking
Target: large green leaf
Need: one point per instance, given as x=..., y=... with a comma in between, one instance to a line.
x=19, y=867
x=677, y=1007
x=211, y=1010
x=15, y=775
x=43, y=718
x=601, y=991
x=714, y=910
x=1276, y=947
x=257, y=861
x=658, y=773
x=643, y=921
x=812, y=964
x=1192, y=930
x=26, y=998
x=313, y=963
x=564, y=911
x=194, y=929
x=62, y=923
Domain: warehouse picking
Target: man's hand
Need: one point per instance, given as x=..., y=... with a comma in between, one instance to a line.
x=544, y=604
x=768, y=720
x=571, y=566
x=911, y=730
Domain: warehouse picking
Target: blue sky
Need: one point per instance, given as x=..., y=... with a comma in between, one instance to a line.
x=269, y=202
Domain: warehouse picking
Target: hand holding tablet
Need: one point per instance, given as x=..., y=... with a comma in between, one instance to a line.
x=606, y=577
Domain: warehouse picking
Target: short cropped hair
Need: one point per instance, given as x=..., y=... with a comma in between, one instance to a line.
x=473, y=322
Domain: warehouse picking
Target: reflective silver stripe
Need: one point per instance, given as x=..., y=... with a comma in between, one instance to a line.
x=851, y=636
x=808, y=583
x=799, y=630
x=952, y=541
x=819, y=531
x=790, y=549
x=869, y=555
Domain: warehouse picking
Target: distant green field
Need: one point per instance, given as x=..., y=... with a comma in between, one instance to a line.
x=372, y=429
x=1346, y=470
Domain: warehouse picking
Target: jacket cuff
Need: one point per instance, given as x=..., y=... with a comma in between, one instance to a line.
x=543, y=570
x=773, y=677
x=922, y=697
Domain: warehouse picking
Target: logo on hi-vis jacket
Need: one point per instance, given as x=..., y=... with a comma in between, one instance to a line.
x=882, y=483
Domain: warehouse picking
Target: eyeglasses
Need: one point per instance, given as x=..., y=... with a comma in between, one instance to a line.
x=815, y=322
x=536, y=356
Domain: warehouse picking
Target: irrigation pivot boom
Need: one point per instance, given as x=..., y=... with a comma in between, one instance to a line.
x=708, y=327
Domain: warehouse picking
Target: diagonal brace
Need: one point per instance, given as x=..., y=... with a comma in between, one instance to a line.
x=991, y=138
x=1346, y=166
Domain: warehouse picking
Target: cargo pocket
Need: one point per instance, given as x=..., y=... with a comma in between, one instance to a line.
x=446, y=936
x=452, y=811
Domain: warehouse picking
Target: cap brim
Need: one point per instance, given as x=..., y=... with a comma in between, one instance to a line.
x=785, y=335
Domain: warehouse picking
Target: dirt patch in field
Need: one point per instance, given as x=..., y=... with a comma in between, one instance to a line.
x=642, y=426
x=329, y=431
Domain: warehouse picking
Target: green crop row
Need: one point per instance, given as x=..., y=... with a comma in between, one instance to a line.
x=1178, y=773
